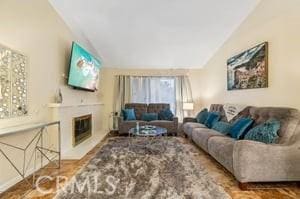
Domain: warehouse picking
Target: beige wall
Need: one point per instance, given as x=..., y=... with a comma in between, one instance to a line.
x=33, y=28
x=277, y=22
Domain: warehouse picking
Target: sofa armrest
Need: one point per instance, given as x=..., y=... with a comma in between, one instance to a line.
x=120, y=120
x=175, y=120
x=189, y=119
x=259, y=162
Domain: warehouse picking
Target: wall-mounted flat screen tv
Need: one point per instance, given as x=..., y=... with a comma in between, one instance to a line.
x=84, y=69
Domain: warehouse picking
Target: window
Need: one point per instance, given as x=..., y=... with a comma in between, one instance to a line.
x=153, y=90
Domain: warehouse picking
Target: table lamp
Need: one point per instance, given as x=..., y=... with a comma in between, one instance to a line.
x=188, y=107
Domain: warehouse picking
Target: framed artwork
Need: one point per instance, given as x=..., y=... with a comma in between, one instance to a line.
x=13, y=83
x=248, y=69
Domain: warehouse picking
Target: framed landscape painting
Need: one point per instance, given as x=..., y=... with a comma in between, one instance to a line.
x=248, y=69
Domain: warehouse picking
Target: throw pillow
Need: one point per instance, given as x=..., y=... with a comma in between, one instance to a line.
x=222, y=127
x=202, y=116
x=212, y=117
x=265, y=132
x=165, y=114
x=240, y=127
x=149, y=116
x=128, y=114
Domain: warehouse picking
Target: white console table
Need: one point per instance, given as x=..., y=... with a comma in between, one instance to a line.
x=37, y=140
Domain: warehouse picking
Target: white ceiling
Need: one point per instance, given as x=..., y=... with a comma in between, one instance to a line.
x=154, y=33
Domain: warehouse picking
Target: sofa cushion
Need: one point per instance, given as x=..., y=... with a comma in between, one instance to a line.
x=139, y=109
x=157, y=107
x=221, y=148
x=202, y=116
x=169, y=125
x=201, y=135
x=265, y=132
x=128, y=114
x=149, y=116
x=288, y=117
x=165, y=114
x=212, y=117
x=190, y=126
x=218, y=108
x=222, y=127
x=240, y=127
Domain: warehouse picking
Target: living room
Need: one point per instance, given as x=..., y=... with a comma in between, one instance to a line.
x=167, y=80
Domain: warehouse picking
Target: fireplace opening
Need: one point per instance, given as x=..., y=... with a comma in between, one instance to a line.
x=82, y=129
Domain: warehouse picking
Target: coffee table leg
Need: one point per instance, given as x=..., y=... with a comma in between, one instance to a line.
x=130, y=141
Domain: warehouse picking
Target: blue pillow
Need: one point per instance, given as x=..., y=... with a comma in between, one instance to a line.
x=222, y=127
x=202, y=116
x=240, y=127
x=165, y=114
x=149, y=116
x=212, y=117
x=128, y=114
x=265, y=132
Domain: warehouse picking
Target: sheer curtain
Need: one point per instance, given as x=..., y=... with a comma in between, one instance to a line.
x=174, y=90
x=153, y=90
x=122, y=92
x=183, y=94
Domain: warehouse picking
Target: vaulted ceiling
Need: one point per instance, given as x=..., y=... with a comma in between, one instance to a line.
x=154, y=33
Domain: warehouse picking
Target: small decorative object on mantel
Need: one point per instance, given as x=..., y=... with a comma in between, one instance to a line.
x=59, y=97
x=13, y=83
x=248, y=69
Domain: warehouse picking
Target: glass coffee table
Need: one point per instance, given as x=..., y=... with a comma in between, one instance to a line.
x=150, y=133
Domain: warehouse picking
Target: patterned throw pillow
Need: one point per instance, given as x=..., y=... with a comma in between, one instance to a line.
x=128, y=114
x=149, y=116
x=165, y=114
x=222, y=127
x=240, y=127
x=212, y=117
x=265, y=132
x=202, y=116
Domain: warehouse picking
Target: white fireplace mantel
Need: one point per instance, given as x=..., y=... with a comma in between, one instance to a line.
x=65, y=113
x=61, y=105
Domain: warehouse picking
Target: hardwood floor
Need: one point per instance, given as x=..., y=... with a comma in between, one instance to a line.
x=223, y=177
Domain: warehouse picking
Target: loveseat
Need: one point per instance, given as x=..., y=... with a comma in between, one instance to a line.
x=139, y=109
x=252, y=161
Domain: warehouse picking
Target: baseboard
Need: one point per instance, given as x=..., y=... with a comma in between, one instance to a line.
x=81, y=150
x=4, y=187
x=72, y=155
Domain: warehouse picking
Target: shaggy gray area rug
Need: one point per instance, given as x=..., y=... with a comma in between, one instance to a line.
x=139, y=168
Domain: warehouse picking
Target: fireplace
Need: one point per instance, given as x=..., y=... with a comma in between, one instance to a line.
x=82, y=129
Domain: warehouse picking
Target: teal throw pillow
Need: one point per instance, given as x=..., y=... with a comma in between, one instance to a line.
x=165, y=114
x=128, y=114
x=240, y=127
x=149, y=116
x=212, y=117
x=202, y=116
x=265, y=132
x=222, y=127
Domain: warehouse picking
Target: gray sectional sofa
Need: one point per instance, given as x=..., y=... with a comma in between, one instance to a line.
x=139, y=109
x=251, y=161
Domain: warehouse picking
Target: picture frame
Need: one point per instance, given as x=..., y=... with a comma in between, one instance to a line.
x=249, y=69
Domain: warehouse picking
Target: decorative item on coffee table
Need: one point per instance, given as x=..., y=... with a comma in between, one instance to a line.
x=147, y=131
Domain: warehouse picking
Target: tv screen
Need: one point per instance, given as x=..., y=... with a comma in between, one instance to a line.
x=84, y=69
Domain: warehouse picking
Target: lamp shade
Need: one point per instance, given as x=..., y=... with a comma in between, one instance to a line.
x=188, y=106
